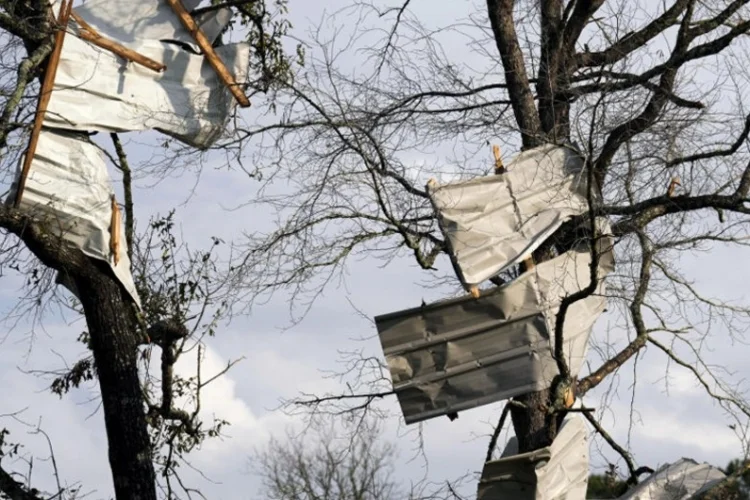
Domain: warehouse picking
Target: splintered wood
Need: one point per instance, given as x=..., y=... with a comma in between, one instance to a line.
x=44, y=96
x=208, y=51
x=89, y=34
x=499, y=167
x=114, y=231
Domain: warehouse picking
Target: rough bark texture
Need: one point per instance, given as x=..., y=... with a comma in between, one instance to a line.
x=113, y=328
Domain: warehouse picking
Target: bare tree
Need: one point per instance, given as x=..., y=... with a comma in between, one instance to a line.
x=328, y=463
x=651, y=93
x=180, y=287
x=337, y=458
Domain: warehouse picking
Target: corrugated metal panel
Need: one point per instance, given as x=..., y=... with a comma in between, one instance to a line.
x=69, y=187
x=558, y=472
x=681, y=480
x=494, y=222
x=462, y=353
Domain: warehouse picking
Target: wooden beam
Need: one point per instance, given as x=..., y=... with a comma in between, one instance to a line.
x=89, y=34
x=213, y=58
x=44, y=96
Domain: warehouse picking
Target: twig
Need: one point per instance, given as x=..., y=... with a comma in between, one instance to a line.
x=619, y=449
x=496, y=433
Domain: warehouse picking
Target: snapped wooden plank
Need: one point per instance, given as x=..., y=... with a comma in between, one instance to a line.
x=86, y=32
x=208, y=51
x=44, y=96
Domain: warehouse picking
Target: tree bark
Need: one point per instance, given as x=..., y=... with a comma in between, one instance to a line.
x=113, y=328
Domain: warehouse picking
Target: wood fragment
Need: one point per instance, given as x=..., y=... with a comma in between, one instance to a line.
x=570, y=397
x=208, y=51
x=44, y=96
x=474, y=291
x=114, y=231
x=88, y=33
x=673, y=186
x=499, y=167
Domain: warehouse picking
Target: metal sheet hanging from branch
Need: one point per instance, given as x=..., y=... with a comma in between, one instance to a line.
x=493, y=223
x=463, y=353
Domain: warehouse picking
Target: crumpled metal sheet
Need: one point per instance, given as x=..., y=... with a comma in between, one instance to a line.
x=463, y=353
x=682, y=480
x=558, y=472
x=136, y=20
x=96, y=90
x=69, y=188
x=492, y=223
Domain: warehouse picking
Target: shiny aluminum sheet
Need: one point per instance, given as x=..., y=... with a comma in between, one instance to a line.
x=135, y=20
x=558, y=472
x=95, y=90
x=492, y=223
x=68, y=188
x=463, y=353
x=682, y=480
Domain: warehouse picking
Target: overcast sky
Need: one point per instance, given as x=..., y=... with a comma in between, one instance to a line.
x=669, y=422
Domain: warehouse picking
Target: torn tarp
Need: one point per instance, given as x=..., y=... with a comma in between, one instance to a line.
x=558, y=472
x=682, y=480
x=463, y=353
x=492, y=223
x=68, y=188
x=97, y=90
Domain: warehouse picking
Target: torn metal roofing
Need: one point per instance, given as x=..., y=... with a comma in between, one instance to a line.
x=69, y=186
x=137, y=20
x=557, y=472
x=492, y=223
x=95, y=90
x=173, y=88
x=682, y=480
x=463, y=353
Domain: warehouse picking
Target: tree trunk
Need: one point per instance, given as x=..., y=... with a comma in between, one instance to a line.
x=113, y=328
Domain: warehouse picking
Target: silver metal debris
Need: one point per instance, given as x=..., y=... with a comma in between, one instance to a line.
x=97, y=90
x=69, y=187
x=463, y=353
x=558, y=472
x=492, y=223
x=682, y=480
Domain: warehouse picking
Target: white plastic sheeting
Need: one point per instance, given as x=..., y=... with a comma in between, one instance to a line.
x=558, y=472
x=97, y=90
x=494, y=222
x=69, y=189
x=682, y=480
x=459, y=354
